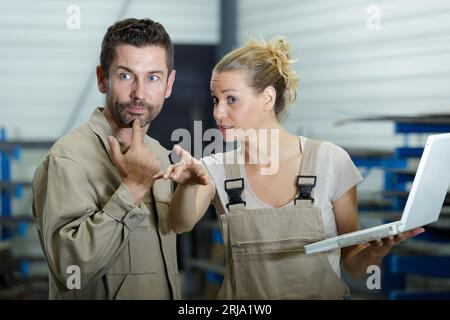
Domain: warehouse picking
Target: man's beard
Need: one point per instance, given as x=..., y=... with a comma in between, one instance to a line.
x=124, y=119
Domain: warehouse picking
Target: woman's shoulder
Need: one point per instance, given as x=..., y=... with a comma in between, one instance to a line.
x=214, y=158
x=334, y=149
x=330, y=151
x=220, y=158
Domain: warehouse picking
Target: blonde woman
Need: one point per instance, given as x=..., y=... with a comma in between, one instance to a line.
x=266, y=219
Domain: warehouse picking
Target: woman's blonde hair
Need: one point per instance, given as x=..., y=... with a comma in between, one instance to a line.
x=266, y=63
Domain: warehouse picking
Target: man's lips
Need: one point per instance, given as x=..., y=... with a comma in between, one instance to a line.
x=136, y=109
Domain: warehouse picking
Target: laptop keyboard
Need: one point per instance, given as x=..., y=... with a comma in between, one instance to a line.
x=373, y=236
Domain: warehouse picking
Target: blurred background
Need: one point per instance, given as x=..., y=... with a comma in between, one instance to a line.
x=374, y=79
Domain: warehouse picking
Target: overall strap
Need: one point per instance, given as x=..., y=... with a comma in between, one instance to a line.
x=307, y=178
x=234, y=183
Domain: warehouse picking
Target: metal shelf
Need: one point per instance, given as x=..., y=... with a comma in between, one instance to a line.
x=415, y=256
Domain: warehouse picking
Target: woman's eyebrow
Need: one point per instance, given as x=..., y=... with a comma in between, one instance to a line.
x=226, y=90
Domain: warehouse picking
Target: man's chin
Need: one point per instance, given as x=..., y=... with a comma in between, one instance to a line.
x=142, y=121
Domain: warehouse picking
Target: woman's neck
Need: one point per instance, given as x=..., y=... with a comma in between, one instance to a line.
x=270, y=145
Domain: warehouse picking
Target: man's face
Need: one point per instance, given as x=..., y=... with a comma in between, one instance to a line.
x=137, y=85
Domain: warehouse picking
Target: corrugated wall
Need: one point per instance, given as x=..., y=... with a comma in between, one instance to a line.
x=48, y=84
x=348, y=68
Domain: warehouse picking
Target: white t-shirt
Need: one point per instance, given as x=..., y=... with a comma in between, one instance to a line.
x=336, y=174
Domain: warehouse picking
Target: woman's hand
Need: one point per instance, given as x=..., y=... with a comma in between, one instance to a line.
x=380, y=248
x=188, y=171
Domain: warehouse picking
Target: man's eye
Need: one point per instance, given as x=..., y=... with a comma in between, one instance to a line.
x=124, y=76
x=215, y=100
x=231, y=100
x=153, y=78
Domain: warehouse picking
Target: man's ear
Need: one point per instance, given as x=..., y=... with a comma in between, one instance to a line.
x=170, y=81
x=102, y=79
x=269, y=96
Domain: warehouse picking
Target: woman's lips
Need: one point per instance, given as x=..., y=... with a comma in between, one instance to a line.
x=223, y=129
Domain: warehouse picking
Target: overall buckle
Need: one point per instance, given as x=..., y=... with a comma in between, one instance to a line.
x=305, y=185
x=234, y=188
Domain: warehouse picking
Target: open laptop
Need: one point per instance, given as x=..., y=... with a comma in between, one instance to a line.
x=424, y=203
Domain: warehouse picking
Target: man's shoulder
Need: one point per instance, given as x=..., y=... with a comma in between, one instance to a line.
x=74, y=144
x=70, y=148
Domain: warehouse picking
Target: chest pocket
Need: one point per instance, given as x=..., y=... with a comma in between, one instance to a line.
x=144, y=243
x=122, y=263
x=141, y=253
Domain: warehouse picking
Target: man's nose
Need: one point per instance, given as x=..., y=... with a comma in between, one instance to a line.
x=138, y=91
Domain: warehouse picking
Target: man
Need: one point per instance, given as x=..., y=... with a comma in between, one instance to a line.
x=101, y=216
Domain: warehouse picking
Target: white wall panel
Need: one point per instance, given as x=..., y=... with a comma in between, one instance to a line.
x=48, y=69
x=348, y=70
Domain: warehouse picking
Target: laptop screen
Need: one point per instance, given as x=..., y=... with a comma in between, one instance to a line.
x=430, y=184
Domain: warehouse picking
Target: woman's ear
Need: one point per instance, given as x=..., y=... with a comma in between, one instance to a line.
x=269, y=94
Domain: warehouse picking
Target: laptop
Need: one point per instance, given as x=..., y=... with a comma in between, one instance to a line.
x=424, y=203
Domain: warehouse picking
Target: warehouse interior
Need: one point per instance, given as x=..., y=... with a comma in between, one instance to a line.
x=374, y=79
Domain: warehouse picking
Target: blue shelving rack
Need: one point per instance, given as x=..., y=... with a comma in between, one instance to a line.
x=10, y=226
x=395, y=266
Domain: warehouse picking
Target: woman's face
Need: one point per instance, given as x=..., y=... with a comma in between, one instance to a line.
x=236, y=104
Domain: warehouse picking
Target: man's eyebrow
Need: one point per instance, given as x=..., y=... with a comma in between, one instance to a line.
x=125, y=68
x=129, y=70
x=156, y=71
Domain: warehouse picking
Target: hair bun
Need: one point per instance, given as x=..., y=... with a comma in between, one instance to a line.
x=281, y=53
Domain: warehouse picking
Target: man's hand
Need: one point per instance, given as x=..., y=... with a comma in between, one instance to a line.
x=188, y=171
x=137, y=165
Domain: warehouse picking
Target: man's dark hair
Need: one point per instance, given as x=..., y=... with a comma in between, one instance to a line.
x=138, y=33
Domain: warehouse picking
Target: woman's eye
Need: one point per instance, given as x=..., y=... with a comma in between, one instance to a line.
x=231, y=100
x=124, y=76
x=214, y=100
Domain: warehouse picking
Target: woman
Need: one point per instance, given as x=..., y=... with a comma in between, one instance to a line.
x=266, y=219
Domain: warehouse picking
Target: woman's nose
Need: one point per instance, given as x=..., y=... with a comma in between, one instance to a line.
x=219, y=112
